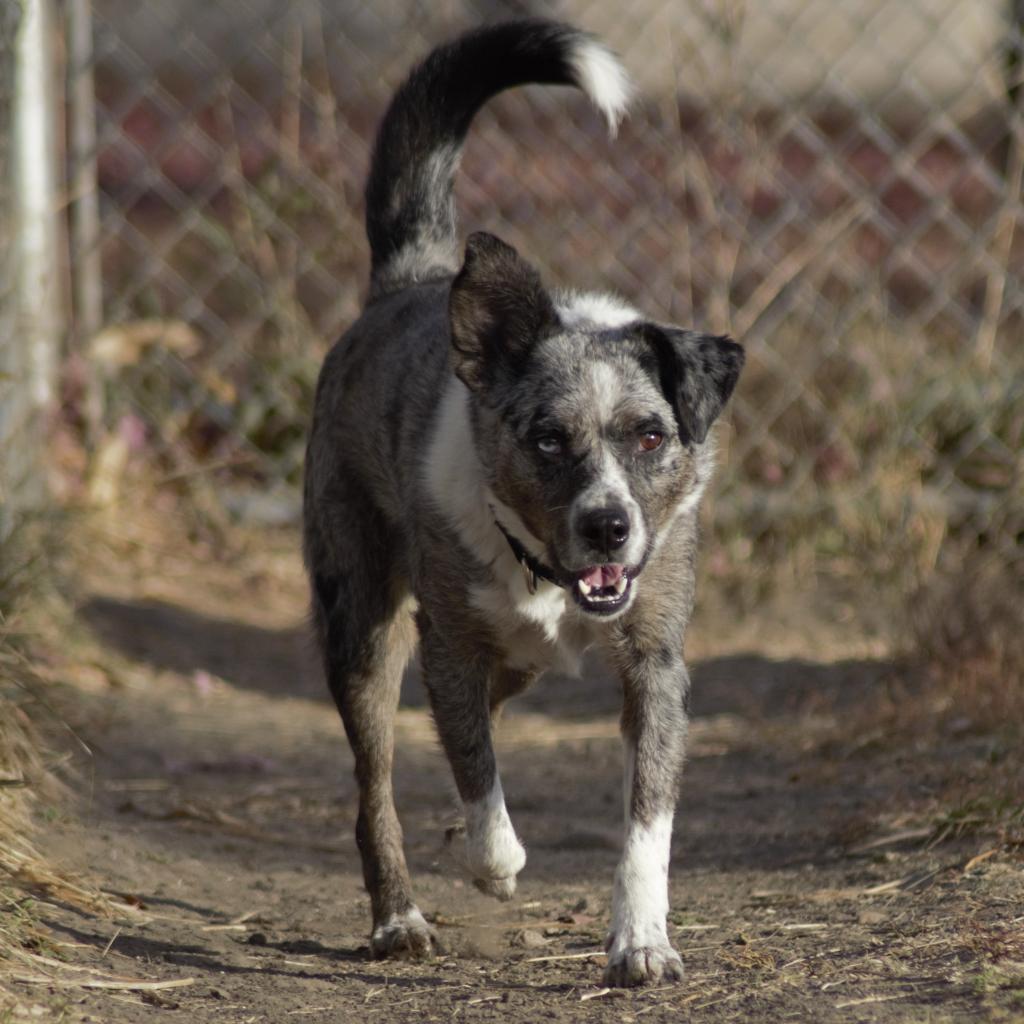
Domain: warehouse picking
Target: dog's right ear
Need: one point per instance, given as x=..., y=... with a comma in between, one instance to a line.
x=498, y=309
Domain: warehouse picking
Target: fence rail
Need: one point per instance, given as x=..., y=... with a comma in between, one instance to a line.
x=837, y=183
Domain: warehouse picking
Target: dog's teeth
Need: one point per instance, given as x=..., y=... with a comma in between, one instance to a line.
x=620, y=585
x=584, y=586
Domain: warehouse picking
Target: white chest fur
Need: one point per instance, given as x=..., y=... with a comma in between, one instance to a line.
x=537, y=631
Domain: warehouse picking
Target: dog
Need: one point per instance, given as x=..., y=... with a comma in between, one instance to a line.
x=509, y=475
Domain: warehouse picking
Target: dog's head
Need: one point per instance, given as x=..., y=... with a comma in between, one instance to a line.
x=590, y=428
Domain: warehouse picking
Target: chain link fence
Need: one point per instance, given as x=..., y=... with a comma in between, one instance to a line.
x=836, y=183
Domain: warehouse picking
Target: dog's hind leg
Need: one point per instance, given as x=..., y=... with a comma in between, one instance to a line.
x=367, y=634
x=460, y=686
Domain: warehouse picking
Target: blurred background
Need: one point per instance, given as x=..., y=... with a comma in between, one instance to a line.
x=836, y=184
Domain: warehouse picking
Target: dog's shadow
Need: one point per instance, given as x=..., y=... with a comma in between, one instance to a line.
x=166, y=636
x=284, y=663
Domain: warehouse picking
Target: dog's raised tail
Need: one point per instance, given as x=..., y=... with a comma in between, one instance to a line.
x=410, y=211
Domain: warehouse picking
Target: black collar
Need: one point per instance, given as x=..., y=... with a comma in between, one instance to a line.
x=533, y=568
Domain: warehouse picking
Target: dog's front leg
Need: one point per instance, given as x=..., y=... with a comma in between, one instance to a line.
x=486, y=845
x=655, y=690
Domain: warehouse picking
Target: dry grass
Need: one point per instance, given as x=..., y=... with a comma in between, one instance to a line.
x=27, y=777
x=952, y=708
x=966, y=628
x=871, y=461
x=22, y=771
x=968, y=647
x=958, y=667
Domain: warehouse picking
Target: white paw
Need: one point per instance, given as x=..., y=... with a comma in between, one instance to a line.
x=639, y=952
x=641, y=965
x=500, y=888
x=491, y=860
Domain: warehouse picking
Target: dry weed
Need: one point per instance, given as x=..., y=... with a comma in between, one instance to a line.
x=26, y=775
x=994, y=942
x=967, y=635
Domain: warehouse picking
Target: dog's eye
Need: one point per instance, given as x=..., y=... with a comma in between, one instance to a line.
x=650, y=440
x=549, y=444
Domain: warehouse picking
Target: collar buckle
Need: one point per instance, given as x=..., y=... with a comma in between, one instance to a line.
x=529, y=575
x=533, y=570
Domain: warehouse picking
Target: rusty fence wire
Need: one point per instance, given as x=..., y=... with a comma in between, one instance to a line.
x=836, y=183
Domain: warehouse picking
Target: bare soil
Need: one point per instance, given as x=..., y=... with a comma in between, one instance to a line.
x=218, y=805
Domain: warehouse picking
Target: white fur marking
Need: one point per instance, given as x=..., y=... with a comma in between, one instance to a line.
x=607, y=385
x=595, y=309
x=416, y=261
x=603, y=79
x=411, y=917
x=385, y=934
x=433, y=249
x=612, y=484
x=640, y=895
x=488, y=848
x=455, y=479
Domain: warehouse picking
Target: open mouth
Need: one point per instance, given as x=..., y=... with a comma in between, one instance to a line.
x=602, y=589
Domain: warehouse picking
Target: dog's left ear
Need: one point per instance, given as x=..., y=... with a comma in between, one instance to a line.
x=698, y=374
x=498, y=308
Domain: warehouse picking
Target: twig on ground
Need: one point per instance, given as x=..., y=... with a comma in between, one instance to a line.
x=911, y=881
x=906, y=835
x=565, y=956
x=113, y=939
x=980, y=858
x=871, y=999
x=112, y=984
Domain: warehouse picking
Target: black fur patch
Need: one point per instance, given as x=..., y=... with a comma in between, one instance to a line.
x=698, y=373
x=326, y=587
x=499, y=309
x=409, y=190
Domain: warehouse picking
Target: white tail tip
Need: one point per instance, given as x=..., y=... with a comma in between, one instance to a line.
x=603, y=79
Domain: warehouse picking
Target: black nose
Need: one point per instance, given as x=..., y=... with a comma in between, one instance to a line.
x=604, y=529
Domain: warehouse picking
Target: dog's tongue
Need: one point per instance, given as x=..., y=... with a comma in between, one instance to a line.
x=600, y=576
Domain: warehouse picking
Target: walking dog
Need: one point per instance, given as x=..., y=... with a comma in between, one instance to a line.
x=509, y=475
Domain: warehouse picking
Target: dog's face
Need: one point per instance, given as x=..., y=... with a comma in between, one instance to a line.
x=590, y=434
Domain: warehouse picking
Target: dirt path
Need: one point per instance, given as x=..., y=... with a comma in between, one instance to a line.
x=219, y=797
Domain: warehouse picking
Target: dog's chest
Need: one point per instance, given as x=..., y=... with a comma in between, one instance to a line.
x=536, y=631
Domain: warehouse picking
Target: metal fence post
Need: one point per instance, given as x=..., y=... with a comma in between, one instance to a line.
x=8, y=294
x=34, y=328
x=85, y=225
x=36, y=198
x=86, y=261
